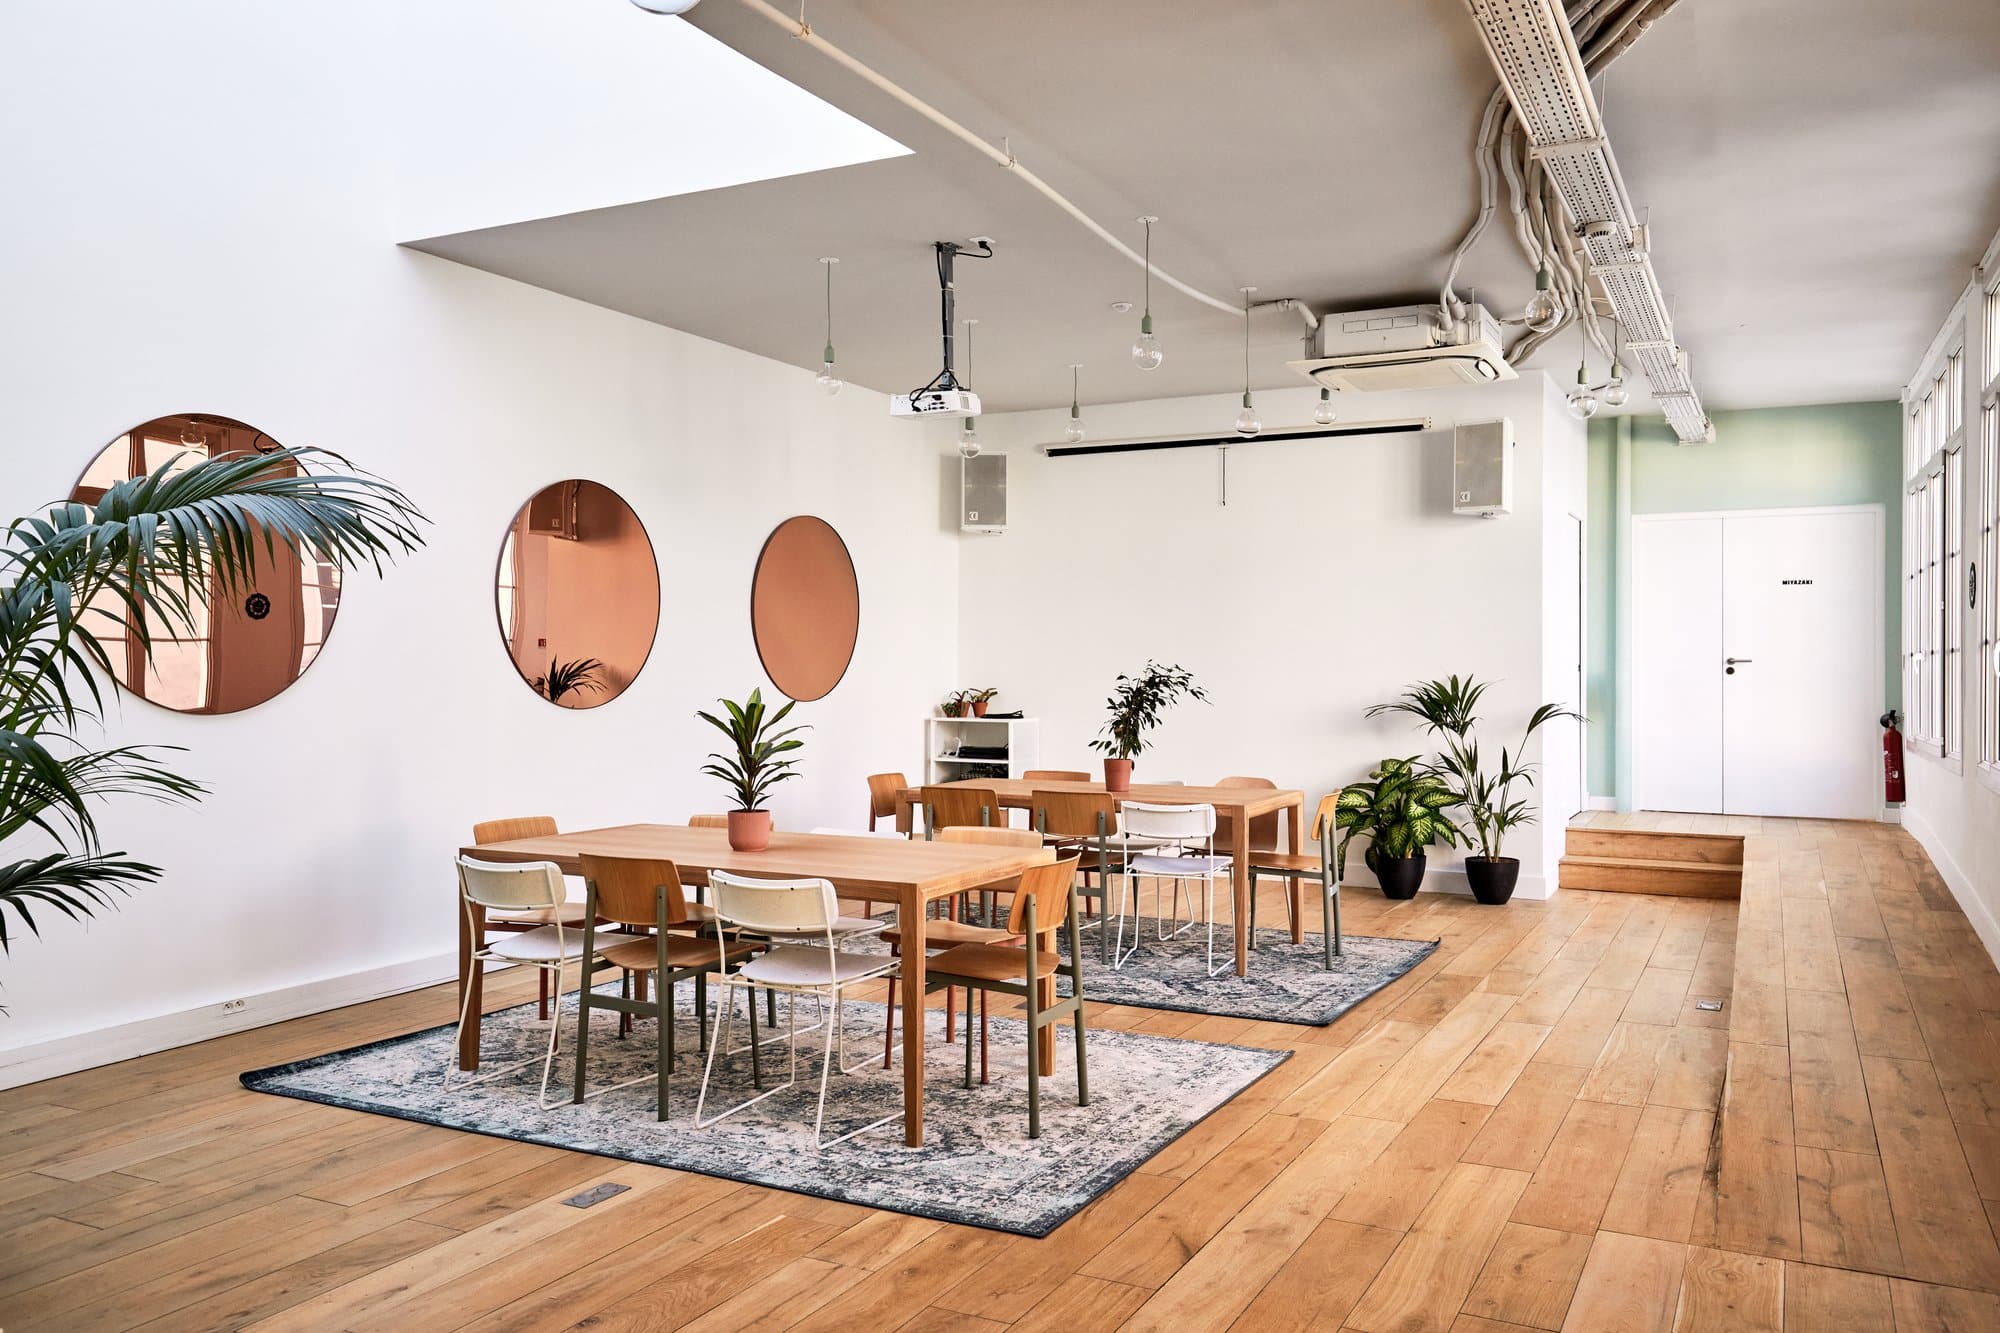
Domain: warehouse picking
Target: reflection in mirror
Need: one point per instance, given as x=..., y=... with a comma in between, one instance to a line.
x=236, y=654
x=805, y=607
x=578, y=593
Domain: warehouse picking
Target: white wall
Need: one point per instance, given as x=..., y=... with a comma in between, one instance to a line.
x=207, y=234
x=1335, y=576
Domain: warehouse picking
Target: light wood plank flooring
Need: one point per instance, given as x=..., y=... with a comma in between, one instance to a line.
x=1538, y=1128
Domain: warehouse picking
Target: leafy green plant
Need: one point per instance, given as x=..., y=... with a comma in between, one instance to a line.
x=149, y=555
x=578, y=674
x=955, y=704
x=754, y=768
x=1400, y=807
x=982, y=696
x=1449, y=709
x=1136, y=705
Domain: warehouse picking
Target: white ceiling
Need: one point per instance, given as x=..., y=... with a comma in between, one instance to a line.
x=1820, y=178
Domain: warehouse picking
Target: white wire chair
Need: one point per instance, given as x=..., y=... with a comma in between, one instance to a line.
x=517, y=887
x=1181, y=843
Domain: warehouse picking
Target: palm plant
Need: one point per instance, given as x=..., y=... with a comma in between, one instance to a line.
x=579, y=674
x=754, y=768
x=1400, y=807
x=142, y=562
x=1137, y=703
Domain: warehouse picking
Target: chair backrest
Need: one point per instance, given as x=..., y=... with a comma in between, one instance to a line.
x=856, y=833
x=956, y=807
x=883, y=789
x=1168, y=823
x=511, y=887
x=1323, y=825
x=708, y=821
x=627, y=889
x=1047, y=886
x=785, y=905
x=1056, y=775
x=992, y=837
x=507, y=830
x=1264, y=827
x=1075, y=814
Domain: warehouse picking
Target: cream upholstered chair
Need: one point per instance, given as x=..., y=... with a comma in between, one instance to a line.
x=1182, y=839
x=1043, y=903
x=568, y=912
x=522, y=888
x=801, y=916
x=885, y=799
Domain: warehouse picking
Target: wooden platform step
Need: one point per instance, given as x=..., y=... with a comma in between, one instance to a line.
x=1630, y=874
x=1649, y=845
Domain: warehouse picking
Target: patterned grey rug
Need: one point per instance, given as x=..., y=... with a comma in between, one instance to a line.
x=977, y=1166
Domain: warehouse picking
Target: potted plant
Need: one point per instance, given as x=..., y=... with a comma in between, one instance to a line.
x=980, y=700
x=1448, y=708
x=754, y=767
x=576, y=676
x=1401, y=808
x=954, y=704
x=1135, y=705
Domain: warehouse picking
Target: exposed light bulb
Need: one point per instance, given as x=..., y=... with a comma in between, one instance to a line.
x=666, y=6
x=1146, y=353
x=968, y=438
x=1615, y=393
x=1073, y=432
x=1248, y=423
x=1323, y=413
x=192, y=437
x=828, y=379
x=829, y=383
x=1583, y=404
x=1542, y=311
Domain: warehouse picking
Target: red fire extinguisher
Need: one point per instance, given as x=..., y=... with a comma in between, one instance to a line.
x=1892, y=759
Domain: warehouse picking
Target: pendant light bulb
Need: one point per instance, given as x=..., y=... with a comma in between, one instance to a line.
x=968, y=438
x=1146, y=353
x=1323, y=413
x=1073, y=431
x=1582, y=402
x=1247, y=421
x=1615, y=393
x=828, y=380
x=1542, y=311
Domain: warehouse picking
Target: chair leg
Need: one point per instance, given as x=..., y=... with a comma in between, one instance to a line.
x=1034, y=1060
x=1082, y=1062
x=968, y=1035
x=663, y=1043
x=983, y=1080
x=464, y=1008
x=771, y=1012
x=582, y=1031
x=542, y=994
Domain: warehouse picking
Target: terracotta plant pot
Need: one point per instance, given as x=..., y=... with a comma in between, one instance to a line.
x=979, y=708
x=1118, y=775
x=749, y=830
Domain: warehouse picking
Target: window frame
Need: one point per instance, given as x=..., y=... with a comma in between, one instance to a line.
x=1984, y=593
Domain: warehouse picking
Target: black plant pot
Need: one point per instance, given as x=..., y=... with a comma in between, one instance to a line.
x=1399, y=875
x=1492, y=877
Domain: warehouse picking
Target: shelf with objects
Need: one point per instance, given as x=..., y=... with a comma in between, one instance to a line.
x=979, y=747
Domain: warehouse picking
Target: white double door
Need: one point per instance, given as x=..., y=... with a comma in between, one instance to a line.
x=1757, y=662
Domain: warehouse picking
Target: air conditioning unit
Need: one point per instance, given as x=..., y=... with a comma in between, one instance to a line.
x=982, y=482
x=1405, y=347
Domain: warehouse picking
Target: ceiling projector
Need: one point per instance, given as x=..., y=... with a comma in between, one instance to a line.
x=935, y=402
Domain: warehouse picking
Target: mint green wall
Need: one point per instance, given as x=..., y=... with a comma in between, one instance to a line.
x=1767, y=458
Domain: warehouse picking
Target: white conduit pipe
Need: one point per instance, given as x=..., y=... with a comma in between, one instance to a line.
x=804, y=33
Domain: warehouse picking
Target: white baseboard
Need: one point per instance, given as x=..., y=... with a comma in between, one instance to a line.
x=86, y=1050
x=1956, y=880
x=1448, y=880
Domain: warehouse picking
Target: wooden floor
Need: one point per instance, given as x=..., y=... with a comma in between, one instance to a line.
x=1537, y=1128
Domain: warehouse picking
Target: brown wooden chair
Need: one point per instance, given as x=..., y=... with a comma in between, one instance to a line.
x=885, y=791
x=1084, y=824
x=1295, y=868
x=1055, y=775
x=569, y=914
x=947, y=932
x=960, y=807
x=1044, y=902
x=646, y=894
x=1263, y=828
x=708, y=821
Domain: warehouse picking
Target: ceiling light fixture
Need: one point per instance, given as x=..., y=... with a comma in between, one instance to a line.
x=1323, y=413
x=1582, y=402
x=1073, y=432
x=1615, y=393
x=1146, y=353
x=968, y=431
x=1247, y=422
x=666, y=6
x=1543, y=310
x=829, y=383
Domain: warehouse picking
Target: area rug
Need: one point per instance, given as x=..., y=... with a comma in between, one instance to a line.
x=977, y=1166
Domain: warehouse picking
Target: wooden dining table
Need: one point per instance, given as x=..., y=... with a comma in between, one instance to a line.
x=909, y=874
x=1240, y=804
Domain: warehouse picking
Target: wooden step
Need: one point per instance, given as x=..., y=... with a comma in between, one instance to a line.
x=1628, y=874
x=1722, y=849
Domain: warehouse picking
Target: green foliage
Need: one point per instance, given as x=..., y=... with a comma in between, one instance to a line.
x=956, y=704
x=1400, y=807
x=755, y=768
x=985, y=695
x=563, y=677
x=1449, y=708
x=1137, y=703
x=150, y=554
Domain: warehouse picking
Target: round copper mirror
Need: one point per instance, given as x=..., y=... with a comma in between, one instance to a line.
x=578, y=592
x=235, y=654
x=805, y=607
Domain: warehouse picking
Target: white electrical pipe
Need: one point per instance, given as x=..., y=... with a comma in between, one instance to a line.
x=803, y=32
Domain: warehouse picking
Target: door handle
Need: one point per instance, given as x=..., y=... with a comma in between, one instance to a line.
x=1732, y=661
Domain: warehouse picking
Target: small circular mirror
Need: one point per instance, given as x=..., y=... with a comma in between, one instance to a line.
x=805, y=607
x=232, y=655
x=578, y=594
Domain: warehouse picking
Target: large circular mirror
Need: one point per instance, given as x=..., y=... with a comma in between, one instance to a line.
x=235, y=654
x=578, y=593
x=805, y=607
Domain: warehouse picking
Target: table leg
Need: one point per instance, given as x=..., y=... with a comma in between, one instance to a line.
x=1239, y=873
x=1295, y=834
x=471, y=926
x=910, y=920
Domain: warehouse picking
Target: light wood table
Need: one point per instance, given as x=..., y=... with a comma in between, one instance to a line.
x=909, y=874
x=1241, y=804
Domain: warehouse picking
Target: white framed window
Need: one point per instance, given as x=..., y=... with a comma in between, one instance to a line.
x=1984, y=590
x=1934, y=555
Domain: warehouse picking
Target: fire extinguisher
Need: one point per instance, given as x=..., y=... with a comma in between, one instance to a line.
x=1892, y=759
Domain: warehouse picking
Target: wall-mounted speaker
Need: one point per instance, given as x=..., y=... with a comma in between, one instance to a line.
x=983, y=493
x=1482, y=468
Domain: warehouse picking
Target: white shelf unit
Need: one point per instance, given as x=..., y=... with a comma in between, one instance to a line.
x=1019, y=737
